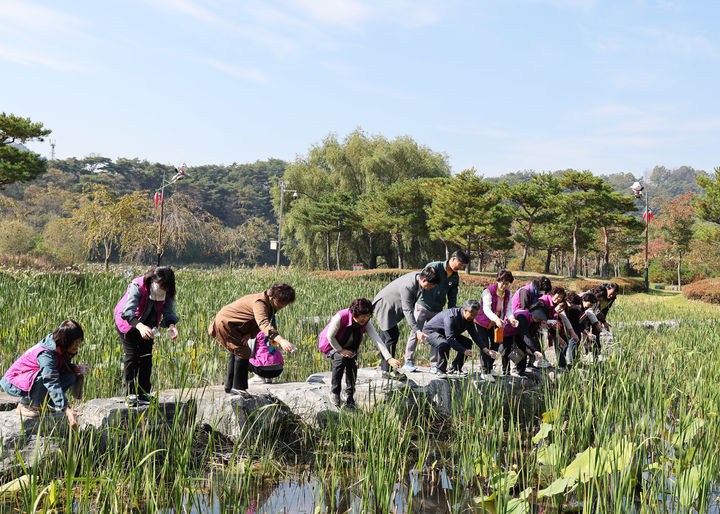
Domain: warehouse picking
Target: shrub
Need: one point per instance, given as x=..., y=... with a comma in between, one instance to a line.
x=703, y=290
x=16, y=237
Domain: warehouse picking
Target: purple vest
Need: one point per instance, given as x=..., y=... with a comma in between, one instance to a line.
x=122, y=325
x=515, y=306
x=23, y=372
x=547, y=300
x=346, y=320
x=509, y=330
x=262, y=356
x=483, y=320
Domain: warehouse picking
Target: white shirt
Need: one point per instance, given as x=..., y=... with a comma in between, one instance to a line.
x=334, y=328
x=487, y=306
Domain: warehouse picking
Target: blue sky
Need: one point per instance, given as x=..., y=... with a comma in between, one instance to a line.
x=504, y=85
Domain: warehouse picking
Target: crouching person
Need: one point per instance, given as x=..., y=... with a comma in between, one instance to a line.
x=520, y=341
x=340, y=341
x=43, y=374
x=267, y=360
x=445, y=330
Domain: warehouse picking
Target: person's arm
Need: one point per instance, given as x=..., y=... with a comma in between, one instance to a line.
x=169, y=318
x=508, y=314
x=132, y=301
x=407, y=299
x=375, y=338
x=452, y=294
x=568, y=326
x=261, y=313
x=450, y=334
x=50, y=376
x=331, y=334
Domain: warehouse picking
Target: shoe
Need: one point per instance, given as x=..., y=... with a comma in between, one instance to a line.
x=268, y=380
x=515, y=374
x=462, y=374
x=28, y=411
x=487, y=377
x=442, y=375
x=433, y=369
x=494, y=373
x=335, y=400
x=541, y=363
x=131, y=400
x=142, y=400
x=350, y=403
x=451, y=370
x=386, y=375
x=256, y=379
x=240, y=392
x=409, y=366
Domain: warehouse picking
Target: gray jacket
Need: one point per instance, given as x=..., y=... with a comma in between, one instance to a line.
x=397, y=300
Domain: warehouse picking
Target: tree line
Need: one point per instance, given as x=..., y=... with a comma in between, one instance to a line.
x=364, y=198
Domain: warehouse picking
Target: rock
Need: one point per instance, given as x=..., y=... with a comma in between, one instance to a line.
x=7, y=402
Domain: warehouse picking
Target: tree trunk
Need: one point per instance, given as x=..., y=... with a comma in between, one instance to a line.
x=548, y=257
x=573, y=271
x=372, y=261
x=678, y=271
x=526, y=247
x=337, y=251
x=327, y=250
x=467, y=249
x=108, y=251
x=397, y=237
x=447, y=249
x=606, y=266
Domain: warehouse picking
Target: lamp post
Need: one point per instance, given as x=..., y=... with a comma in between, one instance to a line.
x=283, y=190
x=160, y=199
x=637, y=189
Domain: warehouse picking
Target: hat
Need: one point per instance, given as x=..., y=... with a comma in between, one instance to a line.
x=539, y=312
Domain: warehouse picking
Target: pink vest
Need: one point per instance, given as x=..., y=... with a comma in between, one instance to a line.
x=515, y=306
x=483, y=320
x=346, y=321
x=547, y=300
x=509, y=330
x=123, y=325
x=23, y=372
x=262, y=356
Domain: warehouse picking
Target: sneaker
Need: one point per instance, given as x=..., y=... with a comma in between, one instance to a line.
x=451, y=370
x=131, y=400
x=516, y=374
x=487, y=377
x=350, y=403
x=268, y=380
x=441, y=375
x=256, y=379
x=494, y=372
x=541, y=363
x=409, y=366
x=462, y=373
x=240, y=392
x=335, y=400
x=142, y=400
x=28, y=411
x=433, y=369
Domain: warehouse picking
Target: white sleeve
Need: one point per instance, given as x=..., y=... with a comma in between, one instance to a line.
x=333, y=329
x=508, y=314
x=591, y=316
x=487, y=305
x=566, y=322
x=373, y=335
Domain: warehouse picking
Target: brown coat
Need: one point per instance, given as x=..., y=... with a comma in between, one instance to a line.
x=241, y=320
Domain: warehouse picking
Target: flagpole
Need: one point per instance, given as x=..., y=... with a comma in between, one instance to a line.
x=647, y=228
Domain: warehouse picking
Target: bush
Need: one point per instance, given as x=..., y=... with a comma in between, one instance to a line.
x=16, y=237
x=627, y=285
x=703, y=290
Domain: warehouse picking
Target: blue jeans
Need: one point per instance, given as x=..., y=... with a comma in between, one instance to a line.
x=38, y=392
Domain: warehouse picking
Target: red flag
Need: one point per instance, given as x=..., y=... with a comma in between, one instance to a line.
x=649, y=215
x=157, y=198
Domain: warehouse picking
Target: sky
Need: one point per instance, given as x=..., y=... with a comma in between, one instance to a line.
x=498, y=85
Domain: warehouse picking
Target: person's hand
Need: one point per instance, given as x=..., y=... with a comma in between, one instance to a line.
x=421, y=336
x=83, y=369
x=172, y=332
x=538, y=355
x=493, y=354
x=347, y=354
x=563, y=343
x=499, y=323
x=286, y=345
x=514, y=322
x=573, y=335
x=145, y=331
x=468, y=353
x=607, y=325
x=71, y=416
x=394, y=363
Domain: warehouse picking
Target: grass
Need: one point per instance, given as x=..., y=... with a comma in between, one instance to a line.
x=638, y=433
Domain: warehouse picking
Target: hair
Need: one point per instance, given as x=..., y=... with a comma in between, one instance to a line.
x=471, y=305
x=461, y=255
x=361, y=306
x=600, y=292
x=538, y=306
x=589, y=297
x=558, y=290
x=164, y=277
x=430, y=274
x=67, y=333
x=282, y=292
x=505, y=275
x=573, y=298
x=542, y=284
x=612, y=285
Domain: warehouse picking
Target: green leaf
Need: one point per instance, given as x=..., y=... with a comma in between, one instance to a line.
x=549, y=416
x=503, y=482
x=688, y=486
x=586, y=465
x=482, y=498
x=516, y=506
x=548, y=455
x=14, y=486
x=545, y=429
x=524, y=495
x=687, y=433
x=559, y=486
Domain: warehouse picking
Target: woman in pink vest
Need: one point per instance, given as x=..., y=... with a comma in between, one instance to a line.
x=340, y=341
x=149, y=302
x=44, y=373
x=495, y=309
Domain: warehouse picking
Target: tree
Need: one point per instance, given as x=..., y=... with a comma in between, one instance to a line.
x=708, y=208
x=245, y=241
x=111, y=222
x=611, y=214
x=18, y=164
x=676, y=226
x=534, y=201
x=466, y=211
x=16, y=237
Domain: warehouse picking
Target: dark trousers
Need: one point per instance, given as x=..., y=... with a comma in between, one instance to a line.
x=264, y=372
x=390, y=338
x=509, y=343
x=137, y=366
x=488, y=335
x=343, y=366
x=441, y=344
x=237, y=373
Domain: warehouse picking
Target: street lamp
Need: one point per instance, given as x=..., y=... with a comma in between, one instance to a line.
x=283, y=190
x=639, y=191
x=160, y=199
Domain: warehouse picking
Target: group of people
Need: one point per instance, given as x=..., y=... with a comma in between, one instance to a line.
x=503, y=326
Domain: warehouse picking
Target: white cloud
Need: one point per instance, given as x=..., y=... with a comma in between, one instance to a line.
x=188, y=8
x=355, y=13
x=577, y=5
x=336, y=12
x=28, y=16
x=255, y=75
x=29, y=58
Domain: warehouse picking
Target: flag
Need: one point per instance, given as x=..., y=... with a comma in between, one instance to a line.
x=649, y=215
x=157, y=198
